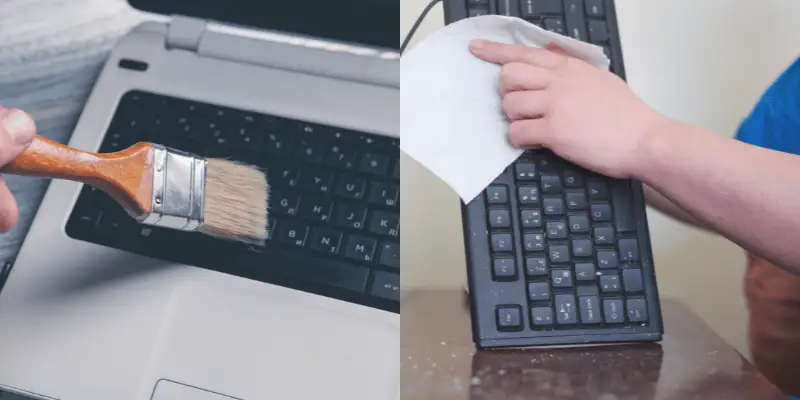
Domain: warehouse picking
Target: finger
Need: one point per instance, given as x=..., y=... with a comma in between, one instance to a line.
x=525, y=105
x=501, y=53
x=557, y=49
x=517, y=76
x=17, y=130
x=9, y=214
x=528, y=133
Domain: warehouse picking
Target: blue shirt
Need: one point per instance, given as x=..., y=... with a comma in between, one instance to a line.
x=774, y=122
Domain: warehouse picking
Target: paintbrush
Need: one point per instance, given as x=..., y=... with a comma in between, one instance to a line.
x=160, y=186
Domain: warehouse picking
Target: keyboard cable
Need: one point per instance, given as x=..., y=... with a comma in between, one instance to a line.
x=419, y=20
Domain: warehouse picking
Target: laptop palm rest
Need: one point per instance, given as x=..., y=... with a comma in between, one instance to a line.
x=167, y=390
x=275, y=340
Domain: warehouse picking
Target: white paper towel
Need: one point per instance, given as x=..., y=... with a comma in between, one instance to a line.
x=451, y=116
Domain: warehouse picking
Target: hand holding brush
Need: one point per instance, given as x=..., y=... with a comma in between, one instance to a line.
x=160, y=186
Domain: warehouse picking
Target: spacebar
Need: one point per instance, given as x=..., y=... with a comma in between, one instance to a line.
x=315, y=270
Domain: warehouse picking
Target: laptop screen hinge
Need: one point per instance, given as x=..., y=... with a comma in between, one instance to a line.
x=185, y=33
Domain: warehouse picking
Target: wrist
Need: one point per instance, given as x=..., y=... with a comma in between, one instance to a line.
x=654, y=148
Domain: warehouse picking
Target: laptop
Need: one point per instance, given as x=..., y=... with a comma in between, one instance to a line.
x=97, y=307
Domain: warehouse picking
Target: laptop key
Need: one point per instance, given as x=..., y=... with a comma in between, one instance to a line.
x=348, y=215
x=595, y=8
x=341, y=157
x=509, y=8
x=386, y=285
x=316, y=210
x=351, y=187
x=360, y=248
x=384, y=194
x=384, y=223
x=576, y=22
x=390, y=255
x=315, y=179
x=291, y=232
x=376, y=164
x=326, y=240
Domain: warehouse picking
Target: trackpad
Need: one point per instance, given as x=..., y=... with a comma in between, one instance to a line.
x=258, y=341
x=166, y=390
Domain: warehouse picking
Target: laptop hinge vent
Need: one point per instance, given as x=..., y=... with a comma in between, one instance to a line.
x=185, y=33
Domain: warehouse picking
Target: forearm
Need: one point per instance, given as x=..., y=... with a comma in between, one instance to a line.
x=746, y=193
x=666, y=206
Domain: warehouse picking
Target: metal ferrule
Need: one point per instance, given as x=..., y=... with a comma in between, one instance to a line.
x=179, y=186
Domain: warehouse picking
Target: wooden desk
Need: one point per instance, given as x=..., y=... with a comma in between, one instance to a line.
x=439, y=362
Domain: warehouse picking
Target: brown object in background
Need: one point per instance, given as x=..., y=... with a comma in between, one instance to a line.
x=162, y=187
x=773, y=301
x=439, y=361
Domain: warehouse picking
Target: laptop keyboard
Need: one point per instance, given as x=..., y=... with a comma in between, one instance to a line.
x=333, y=208
x=566, y=255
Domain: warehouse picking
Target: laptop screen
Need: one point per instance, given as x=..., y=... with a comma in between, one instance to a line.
x=366, y=22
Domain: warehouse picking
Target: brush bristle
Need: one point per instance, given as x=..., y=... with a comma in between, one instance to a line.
x=235, y=202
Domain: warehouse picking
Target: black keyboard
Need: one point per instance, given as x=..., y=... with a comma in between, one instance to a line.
x=333, y=207
x=557, y=254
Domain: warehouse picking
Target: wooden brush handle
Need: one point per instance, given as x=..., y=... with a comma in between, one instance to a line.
x=126, y=175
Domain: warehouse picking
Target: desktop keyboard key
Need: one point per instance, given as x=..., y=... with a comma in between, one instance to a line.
x=508, y=8
x=576, y=201
x=637, y=310
x=315, y=209
x=576, y=21
x=384, y=223
x=565, y=309
x=536, y=266
x=499, y=218
x=386, y=285
x=595, y=8
x=525, y=171
x=325, y=240
x=315, y=180
x=360, y=248
x=390, y=255
x=597, y=190
x=541, y=316
x=579, y=223
x=502, y=242
x=349, y=215
x=376, y=164
x=573, y=179
x=509, y=318
x=553, y=206
x=351, y=187
x=555, y=25
x=528, y=195
x=582, y=248
x=604, y=235
x=598, y=31
x=584, y=272
x=384, y=194
x=533, y=241
x=601, y=212
x=612, y=311
x=538, y=291
x=629, y=250
x=504, y=269
x=589, y=307
x=556, y=230
x=562, y=278
x=607, y=259
x=531, y=219
x=551, y=184
x=622, y=199
x=632, y=280
x=609, y=283
x=559, y=254
x=291, y=232
x=497, y=194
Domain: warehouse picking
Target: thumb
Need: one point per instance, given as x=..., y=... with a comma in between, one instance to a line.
x=17, y=130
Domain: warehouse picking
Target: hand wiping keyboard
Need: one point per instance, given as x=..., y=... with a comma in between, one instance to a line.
x=450, y=105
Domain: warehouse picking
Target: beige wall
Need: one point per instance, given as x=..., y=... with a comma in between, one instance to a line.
x=703, y=62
